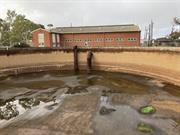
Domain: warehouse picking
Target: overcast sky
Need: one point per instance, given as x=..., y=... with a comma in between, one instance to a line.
x=98, y=12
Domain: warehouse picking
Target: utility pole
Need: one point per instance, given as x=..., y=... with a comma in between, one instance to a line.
x=151, y=31
x=149, y=34
x=146, y=36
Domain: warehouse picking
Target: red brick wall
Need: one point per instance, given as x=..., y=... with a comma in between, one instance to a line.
x=98, y=39
x=47, y=38
x=93, y=39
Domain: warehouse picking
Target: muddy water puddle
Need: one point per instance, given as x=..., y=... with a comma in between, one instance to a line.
x=101, y=103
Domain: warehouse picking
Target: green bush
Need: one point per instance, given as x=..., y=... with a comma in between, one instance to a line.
x=21, y=45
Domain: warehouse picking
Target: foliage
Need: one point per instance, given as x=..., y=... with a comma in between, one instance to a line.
x=21, y=45
x=147, y=110
x=11, y=15
x=177, y=21
x=5, y=33
x=15, y=29
x=175, y=35
x=21, y=29
x=1, y=21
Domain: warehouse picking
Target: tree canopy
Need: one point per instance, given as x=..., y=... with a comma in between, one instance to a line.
x=175, y=35
x=177, y=21
x=16, y=29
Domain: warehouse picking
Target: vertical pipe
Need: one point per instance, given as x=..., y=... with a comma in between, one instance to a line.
x=104, y=39
x=56, y=40
x=75, y=50
x=89, y=61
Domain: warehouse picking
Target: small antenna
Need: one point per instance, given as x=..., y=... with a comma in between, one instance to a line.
x=71, y=24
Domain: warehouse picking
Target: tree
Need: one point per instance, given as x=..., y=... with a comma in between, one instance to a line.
x=21, y=29
x=5, y=33
x=41, y=26
x=1, y=20
x=16, y=29
x=6, y=26
x=177, y=21
x=11, y=15
x=175, y=35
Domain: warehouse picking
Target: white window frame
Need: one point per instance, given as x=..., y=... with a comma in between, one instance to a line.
x=41, y=39
x=53, y=38
x=58, y=38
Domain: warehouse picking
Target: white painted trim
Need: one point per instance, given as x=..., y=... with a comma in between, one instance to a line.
x=40, y=29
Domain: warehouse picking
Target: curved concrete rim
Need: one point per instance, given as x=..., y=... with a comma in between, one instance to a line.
x=66, y=67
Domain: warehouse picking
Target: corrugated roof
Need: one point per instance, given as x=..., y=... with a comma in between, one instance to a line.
x=96, y=29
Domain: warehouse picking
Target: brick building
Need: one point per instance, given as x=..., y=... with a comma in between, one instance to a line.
x=107, y=35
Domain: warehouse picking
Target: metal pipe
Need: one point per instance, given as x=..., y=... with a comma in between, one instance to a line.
x=89, y=61
x=76, y=66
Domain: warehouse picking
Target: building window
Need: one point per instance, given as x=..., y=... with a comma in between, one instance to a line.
x=53, y=38
x=119, y=39
x=41, y=39
x=58, y=41
x=109, y=39
x=58, y=38
x=101, y=39
x=131, y=39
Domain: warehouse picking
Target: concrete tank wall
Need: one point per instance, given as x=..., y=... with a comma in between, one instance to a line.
x=155, y=64
x=162, y=64
x=36, y=59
